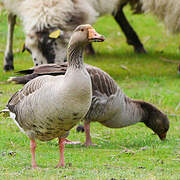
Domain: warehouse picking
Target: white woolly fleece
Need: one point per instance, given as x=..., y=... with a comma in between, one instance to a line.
x=12, y=5
x=39, y=14
x=167, y=11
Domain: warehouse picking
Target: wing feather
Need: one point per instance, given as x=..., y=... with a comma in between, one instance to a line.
x=101, y=81
x=28, y=89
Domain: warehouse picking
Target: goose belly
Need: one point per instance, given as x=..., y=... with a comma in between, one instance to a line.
x=113, y=123
x=54, y=122
x=50, y=124
x=120, y=120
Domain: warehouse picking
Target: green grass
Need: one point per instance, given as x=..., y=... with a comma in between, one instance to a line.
x=128, y=153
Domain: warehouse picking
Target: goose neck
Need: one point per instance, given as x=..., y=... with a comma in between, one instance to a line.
x=75, y=56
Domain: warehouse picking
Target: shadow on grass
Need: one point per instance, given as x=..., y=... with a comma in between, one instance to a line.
x=130, y=54
x=122, y=144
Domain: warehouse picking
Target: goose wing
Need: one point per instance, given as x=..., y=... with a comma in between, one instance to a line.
x=45, y=69
x=104, y=90
x=101, y=81
x=28, y=89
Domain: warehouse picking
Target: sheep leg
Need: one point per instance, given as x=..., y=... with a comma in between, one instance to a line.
x=8, y=58
x=89, y=49
x=131, y=36
x=61, y=151
x=33, y=147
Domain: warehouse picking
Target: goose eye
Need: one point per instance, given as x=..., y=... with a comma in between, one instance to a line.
x=82, y=30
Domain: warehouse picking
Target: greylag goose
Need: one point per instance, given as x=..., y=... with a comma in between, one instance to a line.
x=48, y=107
x=109, y=106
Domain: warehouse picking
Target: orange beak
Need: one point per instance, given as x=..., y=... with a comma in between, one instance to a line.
x=93, y=36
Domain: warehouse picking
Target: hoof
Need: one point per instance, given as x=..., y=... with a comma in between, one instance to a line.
x=140, y=50
x=8, y=68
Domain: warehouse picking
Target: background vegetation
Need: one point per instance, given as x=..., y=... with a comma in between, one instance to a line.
x=129, y=153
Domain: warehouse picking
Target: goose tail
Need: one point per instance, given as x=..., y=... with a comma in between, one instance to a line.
x=46, y=69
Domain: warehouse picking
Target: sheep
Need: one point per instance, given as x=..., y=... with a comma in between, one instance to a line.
x=166, y=11
x=42, y=17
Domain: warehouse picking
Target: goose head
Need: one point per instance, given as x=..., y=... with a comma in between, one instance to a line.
x=155, y=120
x=159, y=124
x=85, y=34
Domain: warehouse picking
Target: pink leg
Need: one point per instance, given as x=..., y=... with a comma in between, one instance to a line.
x=88, y=136
x=71, y=142
x=33, y=147
x=61, y=150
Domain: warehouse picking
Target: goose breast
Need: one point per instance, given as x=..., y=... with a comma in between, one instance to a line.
x=39, y=111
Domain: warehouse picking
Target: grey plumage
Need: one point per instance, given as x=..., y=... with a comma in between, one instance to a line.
x=47, y=107
x=110, y=106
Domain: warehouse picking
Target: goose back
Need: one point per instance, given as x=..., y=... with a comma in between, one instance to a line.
x=101, y=81
x=104, y=88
